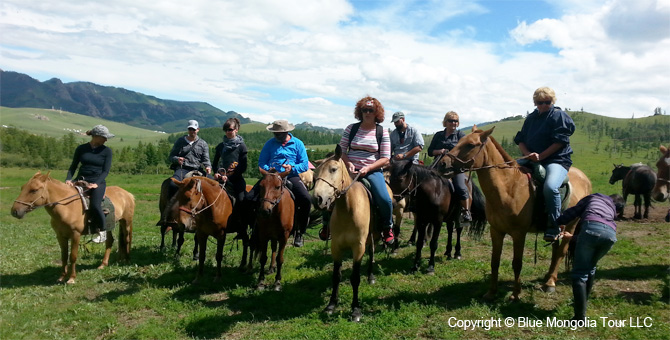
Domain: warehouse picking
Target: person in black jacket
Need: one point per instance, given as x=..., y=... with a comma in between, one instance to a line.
x=230, y=159
x=96, y=160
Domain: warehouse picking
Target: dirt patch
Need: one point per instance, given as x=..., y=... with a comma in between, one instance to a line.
x=657, y=213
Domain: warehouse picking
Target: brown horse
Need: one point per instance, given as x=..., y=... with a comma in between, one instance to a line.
x=661, y=190
x=274, y=222
x=434, y=203
x=351, y=224
x=510, y=200
x=177, y=232
x=637, y=179
x=63, y=204
x=204, y=207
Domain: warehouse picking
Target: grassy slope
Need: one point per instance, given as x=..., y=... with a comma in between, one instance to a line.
x=152, y=298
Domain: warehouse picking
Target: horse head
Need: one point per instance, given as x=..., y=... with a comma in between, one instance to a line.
x=33, y=194
x=618, y=173
x=332, y=177
x=661, y=190
x=189, y=199
x=400, y=178
x=468, y=153
x=272, y=187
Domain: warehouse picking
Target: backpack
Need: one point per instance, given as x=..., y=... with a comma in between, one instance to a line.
x=379, y=133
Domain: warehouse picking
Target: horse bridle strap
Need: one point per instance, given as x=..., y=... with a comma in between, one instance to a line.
x=273, y=203
x=194, y=212
x=32, y=206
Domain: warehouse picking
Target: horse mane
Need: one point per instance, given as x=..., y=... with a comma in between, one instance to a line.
x=423, y=172
x=500, y=149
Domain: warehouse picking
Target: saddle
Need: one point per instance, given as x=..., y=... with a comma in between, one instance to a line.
x=107, y=206
x=537, y=175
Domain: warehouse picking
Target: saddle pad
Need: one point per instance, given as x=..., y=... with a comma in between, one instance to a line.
x=107, y=209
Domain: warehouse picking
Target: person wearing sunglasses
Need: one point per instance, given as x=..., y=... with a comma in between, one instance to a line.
x=406, y=141
x=443, y=141
x=230, y=159
x=545, y=139
x=364, y=155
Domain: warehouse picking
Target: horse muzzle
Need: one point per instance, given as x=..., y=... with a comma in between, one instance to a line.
x=321, y=203
x=18, y=213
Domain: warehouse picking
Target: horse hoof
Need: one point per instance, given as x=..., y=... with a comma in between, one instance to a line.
x=550, y=289
x=70, y=281
x=277, y=287
x=489, y=296
x=329, y=309
x=394, y=252
x=260, y=287
x=514, y=298
x=372, y=280
x=459, y=257
x=430, y=271
x=356, y=315
x=195, y=257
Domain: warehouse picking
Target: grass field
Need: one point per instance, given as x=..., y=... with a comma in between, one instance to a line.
x=152, y=298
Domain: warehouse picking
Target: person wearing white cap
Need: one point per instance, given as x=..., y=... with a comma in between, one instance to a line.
x=96, y=160
x=188, y=153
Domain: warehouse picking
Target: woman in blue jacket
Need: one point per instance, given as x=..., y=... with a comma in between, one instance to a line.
x=545, y=139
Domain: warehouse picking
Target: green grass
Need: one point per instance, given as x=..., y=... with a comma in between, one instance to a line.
x=152, y=298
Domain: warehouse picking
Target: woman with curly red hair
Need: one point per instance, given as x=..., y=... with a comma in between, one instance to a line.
x=365, y=155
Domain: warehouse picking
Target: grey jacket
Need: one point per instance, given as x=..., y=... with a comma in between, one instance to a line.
x=194, y=154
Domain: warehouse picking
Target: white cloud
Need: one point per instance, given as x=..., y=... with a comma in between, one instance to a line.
x=312, y=60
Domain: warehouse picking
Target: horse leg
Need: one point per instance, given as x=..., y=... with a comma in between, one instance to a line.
x=371, y=263
x=109, y=242
x=412, y=238
x=334, y=296
x=433, y=245
x=195, y=246
x=647, y=204
x=245, y=249
x=220, y=241
x=163, y=231
x=517, y=262
x=177, y=236
x=74, y=253
x=63, y=243
x=450, y=230
x=558, y=252
x=263, y=248
x=280, y=263
x=496, y=245
x=638, y=207
x=273, y=257
x=355, y=282
x=201, y=239
x=421, y=232
x=457, y=252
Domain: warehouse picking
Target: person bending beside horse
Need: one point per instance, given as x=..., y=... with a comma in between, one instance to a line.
x=96, y=160
x=230, y=159
x=366, y=155
x=597, y=235
x=286, y=152
x=443, y=142
x=545, y=138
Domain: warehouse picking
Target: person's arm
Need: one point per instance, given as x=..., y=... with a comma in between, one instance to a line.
x=409, y=154
x=73, y=165
x=242, y=161
x=204, y=158
x=550, y=150
x=174, y=153
x=573, y=212
x=432, y=148
x=217, y=156
x=301, y=165
x=264, y=157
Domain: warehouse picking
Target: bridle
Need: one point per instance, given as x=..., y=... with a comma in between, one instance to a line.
x=193, y=210
x=339, y=193
x=32, y=206
x=273, y=203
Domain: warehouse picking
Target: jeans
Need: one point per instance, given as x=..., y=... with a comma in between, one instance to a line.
x=593, y=242
x=552, y=198
x=382, y=198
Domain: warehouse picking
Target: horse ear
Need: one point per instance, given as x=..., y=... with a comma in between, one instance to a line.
x=474, y=127
x=338, y=152
x=263, y=172
x=663, y=149
x=177, y=182
x=284, y=174
x=486, y=134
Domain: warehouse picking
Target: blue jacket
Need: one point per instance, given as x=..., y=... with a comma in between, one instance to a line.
x=540, y=131
x=274, y=154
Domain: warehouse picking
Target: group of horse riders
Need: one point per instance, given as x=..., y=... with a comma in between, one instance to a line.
x=367, y=149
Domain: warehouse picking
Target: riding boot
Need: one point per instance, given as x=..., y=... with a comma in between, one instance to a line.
x=579, y=293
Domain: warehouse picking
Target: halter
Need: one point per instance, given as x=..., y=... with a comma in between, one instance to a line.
x=281, y=193
x=339, y=193
x=32, y=206
x=408, y=189
x=195, y=212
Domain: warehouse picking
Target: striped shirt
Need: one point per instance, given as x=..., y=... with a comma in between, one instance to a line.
x=595, y=207
x=364, y=148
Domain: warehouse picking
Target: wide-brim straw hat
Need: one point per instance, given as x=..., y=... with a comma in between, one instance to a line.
x=281, y=125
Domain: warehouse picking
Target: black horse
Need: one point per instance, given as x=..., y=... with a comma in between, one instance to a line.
x=638, y=179
x=434, y=203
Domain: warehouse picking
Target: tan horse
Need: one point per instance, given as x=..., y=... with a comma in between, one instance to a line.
x=63, y=204
x=661, y=190
x=307, y=178
x=509, y=201
x=204, y=207
x=351, y=224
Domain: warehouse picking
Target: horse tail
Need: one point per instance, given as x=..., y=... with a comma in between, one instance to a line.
x=478, y=212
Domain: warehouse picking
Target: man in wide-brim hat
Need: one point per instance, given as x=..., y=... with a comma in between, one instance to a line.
x=285, y=152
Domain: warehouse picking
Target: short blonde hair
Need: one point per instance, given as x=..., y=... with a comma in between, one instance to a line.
x=449, y=115
x=544, y=93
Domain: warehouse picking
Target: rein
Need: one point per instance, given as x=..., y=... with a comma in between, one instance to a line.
x=281, y=193
x=339, y=193
x=32, y=206
x=194, y=212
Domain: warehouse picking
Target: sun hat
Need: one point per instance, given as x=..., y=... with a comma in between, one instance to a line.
x=281, y=125
x=100, y=130
x=396, y=116
x=192, y=124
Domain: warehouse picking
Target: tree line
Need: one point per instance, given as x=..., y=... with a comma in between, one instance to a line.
x=21, y=148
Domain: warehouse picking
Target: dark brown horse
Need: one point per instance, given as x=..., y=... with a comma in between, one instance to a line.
x=661, y=190
x=351, y=224
x=639, y=180
x=274, y=222
x=204, y=207
x=510, y=200
x=434, y=203
x=63, y=204
x=177, y=230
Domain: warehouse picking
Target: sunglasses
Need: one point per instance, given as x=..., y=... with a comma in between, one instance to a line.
x=191, y=129
x=452, y=120
x=230, y=130
x=546, y=102
x=367, y=110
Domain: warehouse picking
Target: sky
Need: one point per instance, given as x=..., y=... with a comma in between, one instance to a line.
x=312, y=60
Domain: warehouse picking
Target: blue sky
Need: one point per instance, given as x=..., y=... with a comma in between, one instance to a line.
x=312, y=60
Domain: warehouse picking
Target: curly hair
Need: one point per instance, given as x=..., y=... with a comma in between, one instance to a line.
x=376, y=106
x=544, y=93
